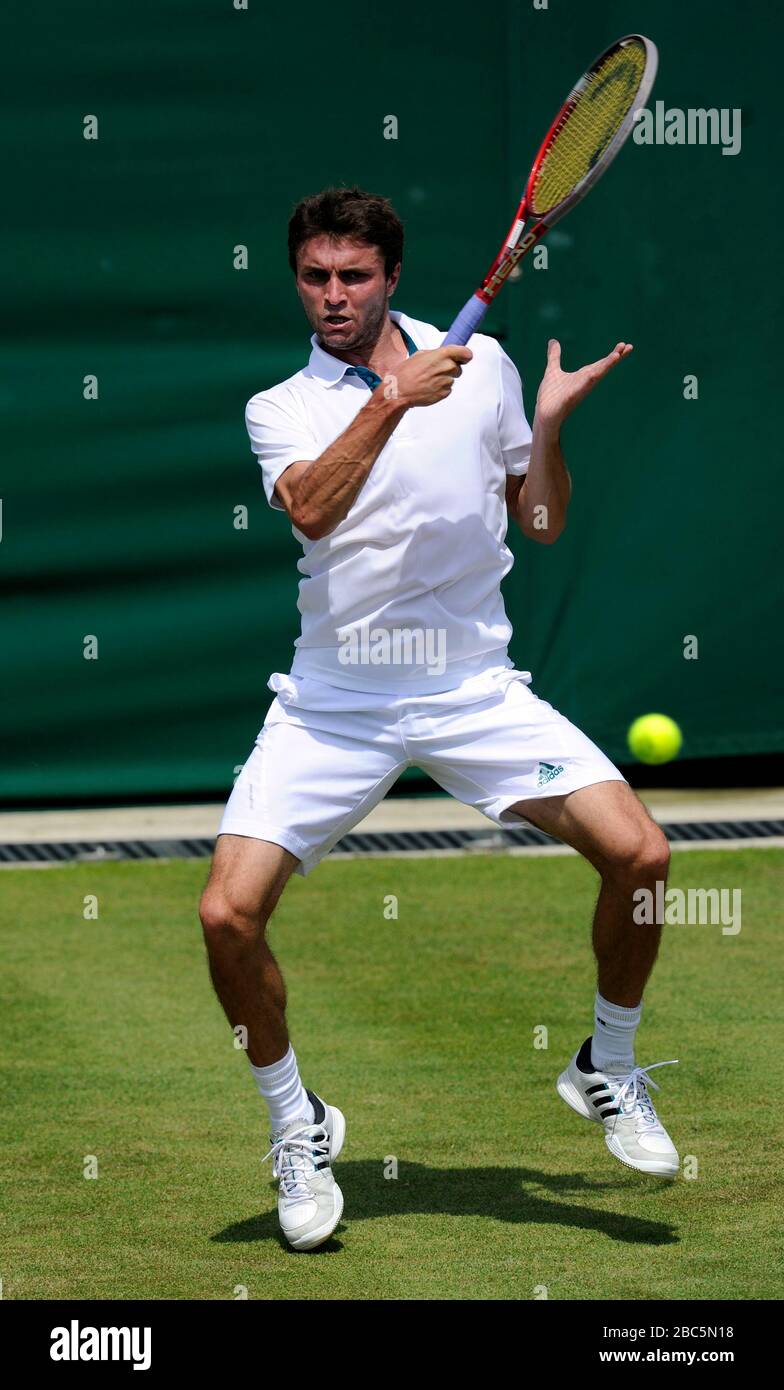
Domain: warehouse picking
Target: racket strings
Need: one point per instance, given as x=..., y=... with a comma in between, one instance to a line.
x=587, y=125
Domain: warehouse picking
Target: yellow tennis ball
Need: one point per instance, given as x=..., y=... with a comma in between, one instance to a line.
x=655, y=738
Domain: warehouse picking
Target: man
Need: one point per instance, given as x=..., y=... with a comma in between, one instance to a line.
x=398, y=462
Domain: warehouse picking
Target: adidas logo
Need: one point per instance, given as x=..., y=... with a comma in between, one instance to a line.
x=547, y=771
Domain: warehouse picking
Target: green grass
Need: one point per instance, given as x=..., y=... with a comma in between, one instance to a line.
x=421, y=1030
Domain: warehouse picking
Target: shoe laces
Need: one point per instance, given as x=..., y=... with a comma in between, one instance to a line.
x=632, y=1094
x=295, y=1154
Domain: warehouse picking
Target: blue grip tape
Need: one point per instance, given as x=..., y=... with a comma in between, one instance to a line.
x=467, y=321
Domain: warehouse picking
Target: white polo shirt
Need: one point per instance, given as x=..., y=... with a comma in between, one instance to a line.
x=403, y=596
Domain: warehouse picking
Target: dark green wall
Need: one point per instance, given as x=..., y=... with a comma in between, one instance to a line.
x=118, y=513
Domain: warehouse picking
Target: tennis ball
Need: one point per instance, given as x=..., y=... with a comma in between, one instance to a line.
x=655, y=738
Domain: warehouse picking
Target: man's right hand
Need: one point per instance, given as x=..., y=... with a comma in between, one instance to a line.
x=318, y=494
x=427, y=376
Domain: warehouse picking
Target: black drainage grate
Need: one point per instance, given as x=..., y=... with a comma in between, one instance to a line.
x=378, y=842
x=495, y=838
x=104, y=851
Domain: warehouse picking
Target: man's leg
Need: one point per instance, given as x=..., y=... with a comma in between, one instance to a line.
x=247, y=878
x=245, y=883
x=318, y=766
x=609, y=826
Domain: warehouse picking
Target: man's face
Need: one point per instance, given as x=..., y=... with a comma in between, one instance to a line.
x=344, y=291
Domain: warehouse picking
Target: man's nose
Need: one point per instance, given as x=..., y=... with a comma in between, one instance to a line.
x=335, y=290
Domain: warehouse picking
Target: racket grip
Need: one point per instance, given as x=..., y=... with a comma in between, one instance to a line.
x=467, y=321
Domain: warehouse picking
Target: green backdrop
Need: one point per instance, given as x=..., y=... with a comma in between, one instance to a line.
x=118, y=513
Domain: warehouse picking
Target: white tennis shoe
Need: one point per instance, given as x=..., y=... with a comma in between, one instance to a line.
x=620, y=1102
x=310, y=1203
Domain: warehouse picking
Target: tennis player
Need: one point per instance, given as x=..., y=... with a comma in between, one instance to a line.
x=399, y=463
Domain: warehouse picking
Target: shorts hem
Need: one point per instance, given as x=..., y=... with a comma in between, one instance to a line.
x=500, y=807
x=277, y=835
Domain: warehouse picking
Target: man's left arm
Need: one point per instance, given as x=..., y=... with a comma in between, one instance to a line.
x=538, y=501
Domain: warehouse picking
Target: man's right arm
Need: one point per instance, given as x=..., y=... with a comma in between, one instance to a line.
x=319, y=494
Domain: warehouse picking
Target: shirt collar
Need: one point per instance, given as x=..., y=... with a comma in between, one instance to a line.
x=329, y=370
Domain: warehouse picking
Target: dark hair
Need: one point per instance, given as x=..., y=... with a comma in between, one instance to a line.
x=352, y=213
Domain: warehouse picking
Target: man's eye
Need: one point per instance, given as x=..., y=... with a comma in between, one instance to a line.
x=320, y=277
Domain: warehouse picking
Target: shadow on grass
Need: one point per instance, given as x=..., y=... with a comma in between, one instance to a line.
x=501, y=1194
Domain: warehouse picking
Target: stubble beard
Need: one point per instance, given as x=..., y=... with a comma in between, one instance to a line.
x=364, y=339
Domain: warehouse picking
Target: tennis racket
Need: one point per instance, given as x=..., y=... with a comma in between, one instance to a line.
x=583, y=140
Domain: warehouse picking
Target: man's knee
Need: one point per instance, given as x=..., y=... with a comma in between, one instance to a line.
x=228, y=922
x=642, y=853
x=246, y=881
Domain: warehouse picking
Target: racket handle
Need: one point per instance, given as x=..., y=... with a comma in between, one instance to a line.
x=467, y=321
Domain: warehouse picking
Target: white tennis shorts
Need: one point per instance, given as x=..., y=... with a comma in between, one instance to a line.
x=325, y=756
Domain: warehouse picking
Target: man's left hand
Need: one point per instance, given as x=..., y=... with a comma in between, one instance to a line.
x=561, y=391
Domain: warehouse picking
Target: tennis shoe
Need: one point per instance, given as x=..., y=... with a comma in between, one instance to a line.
x=621, y=1103
x=310, y=1203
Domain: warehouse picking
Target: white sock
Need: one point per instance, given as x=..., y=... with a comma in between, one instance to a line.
x=281, y=1086
x=612, y=1044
